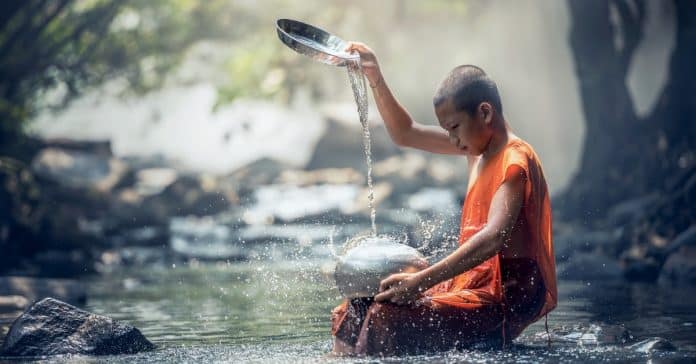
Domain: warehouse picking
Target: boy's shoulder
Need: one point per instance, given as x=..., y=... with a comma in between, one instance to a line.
x=521, y=153
x=520, y=147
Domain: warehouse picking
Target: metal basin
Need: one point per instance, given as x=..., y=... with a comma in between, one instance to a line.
x=360, y=270
x=314, y=42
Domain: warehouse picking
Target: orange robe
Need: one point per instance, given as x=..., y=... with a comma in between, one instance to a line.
x=493, y=302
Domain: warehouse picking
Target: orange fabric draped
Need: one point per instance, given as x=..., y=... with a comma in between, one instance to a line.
x=482, y=285
x=473, y=301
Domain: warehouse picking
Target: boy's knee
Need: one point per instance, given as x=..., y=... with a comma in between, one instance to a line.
x=381, y=311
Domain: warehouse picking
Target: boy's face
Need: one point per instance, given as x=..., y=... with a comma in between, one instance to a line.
x=470, y=133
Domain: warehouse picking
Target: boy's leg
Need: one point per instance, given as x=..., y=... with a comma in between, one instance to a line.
x=347, y=320
x=342, y=348
x=394, y=330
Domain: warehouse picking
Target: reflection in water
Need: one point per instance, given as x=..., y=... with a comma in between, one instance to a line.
x=278, y=311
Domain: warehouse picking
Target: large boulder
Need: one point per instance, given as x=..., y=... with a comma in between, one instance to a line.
x=190, y=195
x=341, y=146
x=52, y=327
x=259, y=172
x=79, y=170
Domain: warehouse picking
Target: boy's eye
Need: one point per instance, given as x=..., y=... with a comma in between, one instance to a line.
x=455, y=126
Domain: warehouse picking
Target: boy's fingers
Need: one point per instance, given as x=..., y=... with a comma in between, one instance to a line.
x=356, y=46
x=384, y=296
x=387, y=282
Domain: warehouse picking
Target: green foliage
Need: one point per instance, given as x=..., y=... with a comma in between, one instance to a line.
x=80, y=43
x=253, y=70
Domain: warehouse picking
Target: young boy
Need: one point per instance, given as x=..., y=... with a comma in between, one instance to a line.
x=502, y=277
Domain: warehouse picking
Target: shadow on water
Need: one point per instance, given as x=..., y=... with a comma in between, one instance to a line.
x=278, y=311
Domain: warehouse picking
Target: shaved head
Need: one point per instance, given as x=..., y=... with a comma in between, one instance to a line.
x=468, y=86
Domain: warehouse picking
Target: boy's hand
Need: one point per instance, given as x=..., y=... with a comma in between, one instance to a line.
x=368, y=62
x=399, y=288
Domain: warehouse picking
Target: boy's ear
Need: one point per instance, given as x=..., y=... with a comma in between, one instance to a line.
x=485, y=109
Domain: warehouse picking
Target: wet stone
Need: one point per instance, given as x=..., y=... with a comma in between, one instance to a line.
x=52, y=327
x=592, y=334
x=653, y=344
x=680, y=267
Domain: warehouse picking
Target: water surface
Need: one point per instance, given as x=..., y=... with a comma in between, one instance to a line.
x=278, y=311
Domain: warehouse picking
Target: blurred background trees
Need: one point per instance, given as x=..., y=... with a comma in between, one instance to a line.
x=67, y=46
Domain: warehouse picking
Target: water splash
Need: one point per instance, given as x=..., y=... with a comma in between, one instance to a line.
x=357, y=83
x=332, y=247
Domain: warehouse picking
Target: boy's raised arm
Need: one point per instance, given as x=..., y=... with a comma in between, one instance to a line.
x=402, y=129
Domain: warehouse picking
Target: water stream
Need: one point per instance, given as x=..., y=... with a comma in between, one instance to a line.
x=358, y=85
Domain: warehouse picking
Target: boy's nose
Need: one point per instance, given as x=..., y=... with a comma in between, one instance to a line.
x=453, y=139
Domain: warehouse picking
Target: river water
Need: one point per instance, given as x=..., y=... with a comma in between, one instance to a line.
x=277, y=310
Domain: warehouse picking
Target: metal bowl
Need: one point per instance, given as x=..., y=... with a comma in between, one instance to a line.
x=360, y=270
x=314, y=42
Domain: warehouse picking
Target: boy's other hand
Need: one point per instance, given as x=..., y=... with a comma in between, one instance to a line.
x=400, y=289
x=368, y=62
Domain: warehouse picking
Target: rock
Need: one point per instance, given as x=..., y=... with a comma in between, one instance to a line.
x=189, y=195
x=593, y=334
x=112, y=260
x=289, y=203
x=260, y=172
x=152, y=181
x=21, y=212
x=412, y=170
x=632, y=210
x=58, y=263
x=446, y=172
x=13, y=303
x=95, y=147
x=34, y=289
x=589, y=266
x=434, y=199
x=142, y=236
x=680, y=266
x=640, y=269
x=203, y=238
x=321, y=176
x=686, y=238
x=52, y=327
x=653, y=344
x=78, y=170
x=407, y=172
x=341, y=146
x=300, y=234
x=380, y=193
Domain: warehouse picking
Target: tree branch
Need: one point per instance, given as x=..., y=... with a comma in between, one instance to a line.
x=24, y=27
x=632, y=18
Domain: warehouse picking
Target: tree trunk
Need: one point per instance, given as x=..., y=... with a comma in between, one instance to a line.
x=625, y=156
